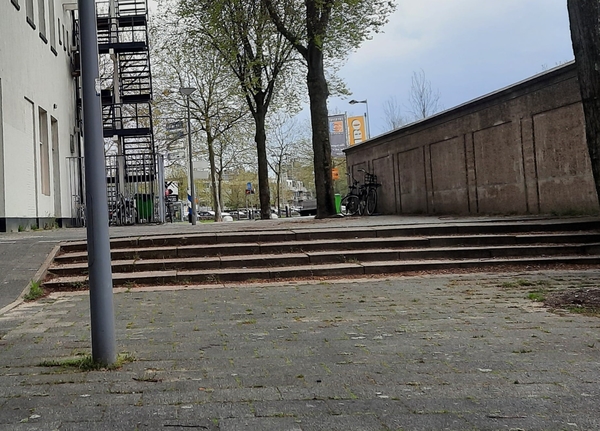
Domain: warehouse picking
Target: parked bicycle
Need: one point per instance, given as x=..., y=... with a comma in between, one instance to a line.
x=361, y=199
x=351, y=202
x=124, y=212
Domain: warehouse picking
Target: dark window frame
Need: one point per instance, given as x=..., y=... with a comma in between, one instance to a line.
x=16, y=4
x=30, y=14
x=42, y=18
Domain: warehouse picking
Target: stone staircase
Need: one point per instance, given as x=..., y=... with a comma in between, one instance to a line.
x=337, y=251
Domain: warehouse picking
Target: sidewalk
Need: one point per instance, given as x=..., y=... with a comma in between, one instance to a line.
x=452, y=352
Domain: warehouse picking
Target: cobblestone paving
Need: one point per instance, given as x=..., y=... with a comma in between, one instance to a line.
x=456, y=352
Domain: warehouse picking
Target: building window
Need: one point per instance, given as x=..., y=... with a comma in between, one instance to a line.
x=42, y=19
x=44, y=152
x=52, y=29
x=29, y=13
x=16, y=4
x=55, y=164
x=52, y=20
x=60, y=32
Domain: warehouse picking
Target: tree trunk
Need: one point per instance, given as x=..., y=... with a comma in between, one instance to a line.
x=584, y=17
x=278, y=177
x=213, y=176
x=260, y=138
x=318, y=93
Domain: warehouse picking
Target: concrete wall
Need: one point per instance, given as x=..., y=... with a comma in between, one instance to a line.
x=35, y=77
x=520, y=150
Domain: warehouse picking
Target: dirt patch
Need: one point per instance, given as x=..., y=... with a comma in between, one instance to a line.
x=585, y=301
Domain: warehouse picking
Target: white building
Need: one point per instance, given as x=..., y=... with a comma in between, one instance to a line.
x=39, y=137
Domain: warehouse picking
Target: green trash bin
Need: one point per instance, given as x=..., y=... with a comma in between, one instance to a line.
x=338, y=203
x=145, y=207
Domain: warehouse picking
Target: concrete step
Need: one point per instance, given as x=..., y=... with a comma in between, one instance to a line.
x=311, y=251
x=146, y=251
x=275, y=235
x=187, y=277
x=328, y=257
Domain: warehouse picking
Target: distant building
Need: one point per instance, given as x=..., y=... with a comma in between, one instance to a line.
x=297, y=191
x=39, y=122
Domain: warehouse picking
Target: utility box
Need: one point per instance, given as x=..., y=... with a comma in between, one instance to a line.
x=145, y=206
x=338, y=203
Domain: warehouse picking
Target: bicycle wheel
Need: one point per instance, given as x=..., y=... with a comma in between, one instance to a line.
x=350, y=205
x=371, y=201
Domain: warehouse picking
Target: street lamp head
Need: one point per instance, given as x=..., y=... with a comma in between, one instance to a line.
x=186, y=91
x=354, y=102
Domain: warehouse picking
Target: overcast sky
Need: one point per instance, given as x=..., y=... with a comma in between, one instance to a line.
x=467, y=48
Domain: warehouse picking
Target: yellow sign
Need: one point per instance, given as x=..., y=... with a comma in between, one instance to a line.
x=357, y=130
x=335, y=174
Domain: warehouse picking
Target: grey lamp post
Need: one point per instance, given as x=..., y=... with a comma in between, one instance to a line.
x=102, y=316
x=187, y=91
x=354, y=102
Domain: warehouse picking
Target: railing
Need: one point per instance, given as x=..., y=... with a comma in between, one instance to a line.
x=132, y=188
x=123, y=8
x=119, y=30
x=122, y=118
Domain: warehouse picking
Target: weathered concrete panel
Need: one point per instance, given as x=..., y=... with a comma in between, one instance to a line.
x=563, y=162
x=499, y=170
x=411, y=174
x=386, y=198
x=529, y=168
x=449, y=176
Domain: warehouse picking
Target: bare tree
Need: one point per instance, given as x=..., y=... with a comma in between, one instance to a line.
x=584, y=16
x=216, y=104
x=393, y=114
x=423, y=100
x=285, y=135
x=242, y=33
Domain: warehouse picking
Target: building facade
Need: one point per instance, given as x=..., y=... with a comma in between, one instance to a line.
x=519, y=150
x=39, y=121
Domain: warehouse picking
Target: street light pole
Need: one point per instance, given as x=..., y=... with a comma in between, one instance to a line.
x=102, y=315
x=187, y=91
x=353, y=102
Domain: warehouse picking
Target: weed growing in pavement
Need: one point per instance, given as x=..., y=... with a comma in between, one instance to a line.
x=35, y=291
x=51, y=225
x=537, y=296
x=85, y=362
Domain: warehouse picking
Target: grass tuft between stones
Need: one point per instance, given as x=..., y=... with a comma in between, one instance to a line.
x=86, y=363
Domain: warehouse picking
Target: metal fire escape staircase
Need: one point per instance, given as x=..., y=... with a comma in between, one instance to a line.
x=126, y=104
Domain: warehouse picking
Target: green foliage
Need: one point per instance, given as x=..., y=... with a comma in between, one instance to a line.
x=85, y=362
x=537, y=296
x=337, y=27
x=35, y=291
x=51, y=225
x=242, y=39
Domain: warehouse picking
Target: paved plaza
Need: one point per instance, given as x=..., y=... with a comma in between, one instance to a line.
x=433, y=352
